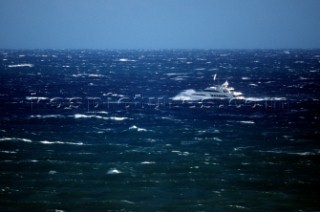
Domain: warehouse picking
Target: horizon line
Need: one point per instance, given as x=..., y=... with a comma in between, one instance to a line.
x=158, y=49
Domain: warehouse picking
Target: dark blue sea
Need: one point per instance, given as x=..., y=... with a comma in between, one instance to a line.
x=91, y=130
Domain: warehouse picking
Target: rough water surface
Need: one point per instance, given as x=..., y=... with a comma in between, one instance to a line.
x=99, y=130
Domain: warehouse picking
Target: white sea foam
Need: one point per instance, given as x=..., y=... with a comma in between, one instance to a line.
x=200, y=69
x=113, y=171
x=173, y=74
x=245, y=78
x=96, y=75
x=42, y=142
x=148, y=162
x=314, y=152
x=134, y=127
x=60, y=142
x=238, y=207
x=16, y=139
x=180, y=153
x=115, y=118
x=84, y=116
x=179, y=78
x=247, y=122
x=21, y=65
x=240, y=148
x=126, y=60
x=36, y=98
x=88, y=75
x=50, y=116
x=102, y=112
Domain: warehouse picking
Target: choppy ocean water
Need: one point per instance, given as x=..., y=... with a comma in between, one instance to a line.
x=98, y=130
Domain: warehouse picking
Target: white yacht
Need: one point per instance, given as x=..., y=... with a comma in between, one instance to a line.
x=218, y=92
x=211, y=93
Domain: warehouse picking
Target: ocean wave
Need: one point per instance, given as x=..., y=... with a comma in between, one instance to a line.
x=138, y=129
x=147, y=162
x=126, y=60
x=16, y=139
x=42, y=141
x=50, y=116
x=88, y=75
x=36, y=98
x=180, y=153
x=113, y=171
x=101, y=112
x=247, y=122
x=116, y=118
x=21, y=65
x=80, y=116
x=60, y=142
x=307, y=153
x=84, y=116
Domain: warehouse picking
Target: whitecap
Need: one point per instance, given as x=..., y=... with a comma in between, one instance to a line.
x=50, y=116
x=58, y=210
x=78, y=75
x=199, y=69
x=134, y=127
x=126, y=60
x=179, y=78
x=245, y=78
x=51, y=142
x=240, y=148
x=102, y=112
x=180, y=153
x=173, y=74
x=84, y=116
x=238, y=207
x=247, y=122
x=96, y=75
x=60, y=142
x=115, y=118
x=278, y=98
x=37, y=98
x=113, y=171
x=21, y=65
x=315, y=152
x=16, y=139
x=148, y=162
